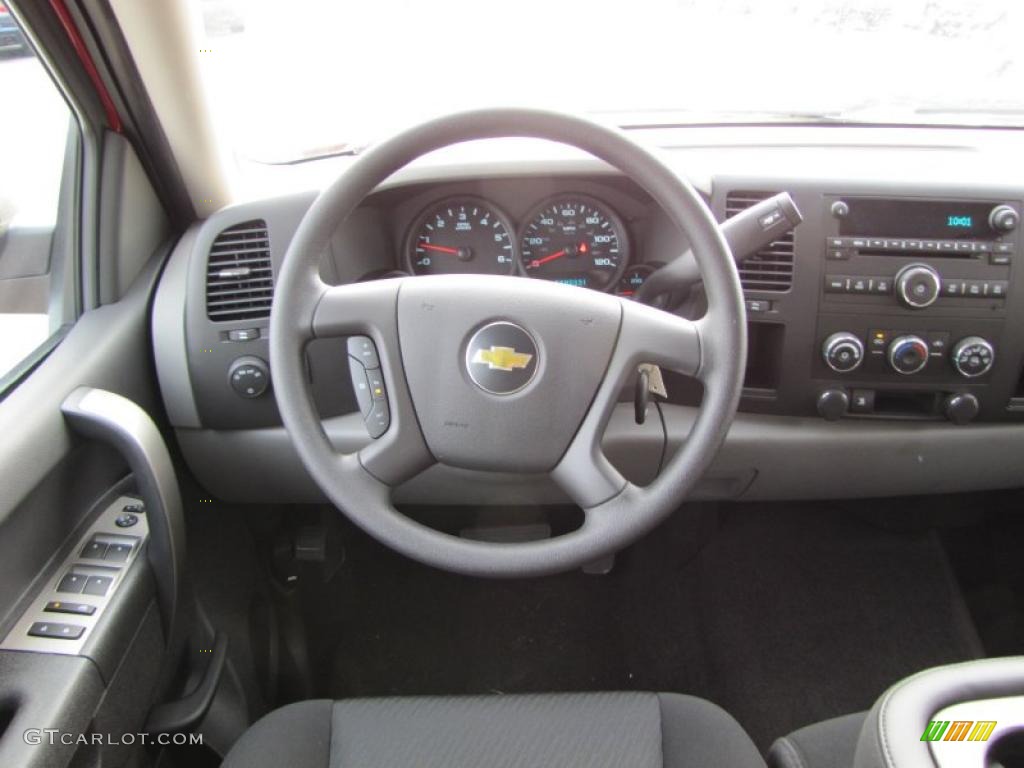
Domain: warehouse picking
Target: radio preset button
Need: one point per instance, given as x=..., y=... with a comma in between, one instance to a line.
x=997, y=289
x=1003, y=248
x=999, y=259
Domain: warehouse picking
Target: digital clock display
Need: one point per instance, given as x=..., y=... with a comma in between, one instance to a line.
x=926, y=219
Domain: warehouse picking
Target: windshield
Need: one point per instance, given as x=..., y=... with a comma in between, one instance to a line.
x=304, y=78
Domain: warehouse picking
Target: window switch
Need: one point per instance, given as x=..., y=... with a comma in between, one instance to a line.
x=79, y=609
x=72, y=583
x=98, y=585
x=118, y=553
x=95, y=550
x=56, y=630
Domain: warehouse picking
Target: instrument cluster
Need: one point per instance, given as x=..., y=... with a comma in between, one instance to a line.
x=569, y=238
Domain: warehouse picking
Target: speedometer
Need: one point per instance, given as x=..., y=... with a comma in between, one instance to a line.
x=577, y=240
x=461, y=235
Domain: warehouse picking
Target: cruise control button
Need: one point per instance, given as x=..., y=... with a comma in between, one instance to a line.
x=56, y=630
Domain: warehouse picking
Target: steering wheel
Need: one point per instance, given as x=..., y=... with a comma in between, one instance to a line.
x=505, y=374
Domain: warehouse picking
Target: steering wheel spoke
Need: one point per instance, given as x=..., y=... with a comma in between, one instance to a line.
x=366, y=313
x=650, y=335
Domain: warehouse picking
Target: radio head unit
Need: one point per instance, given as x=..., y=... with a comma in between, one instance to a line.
x=924, y=219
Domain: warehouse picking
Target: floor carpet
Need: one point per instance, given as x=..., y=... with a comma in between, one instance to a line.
x=788, y=614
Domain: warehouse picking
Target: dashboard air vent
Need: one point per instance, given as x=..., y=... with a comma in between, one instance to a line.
x=239, y=278
x=771, y=268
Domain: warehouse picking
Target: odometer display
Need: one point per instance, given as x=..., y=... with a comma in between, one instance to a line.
x=576, y=240
x=461, y=235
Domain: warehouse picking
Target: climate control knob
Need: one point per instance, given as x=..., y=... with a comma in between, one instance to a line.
x=918, y=285
x=973, y=357
x=843, y=352
x=908, y=354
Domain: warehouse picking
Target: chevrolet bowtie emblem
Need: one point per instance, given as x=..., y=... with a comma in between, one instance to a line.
x=502, y=358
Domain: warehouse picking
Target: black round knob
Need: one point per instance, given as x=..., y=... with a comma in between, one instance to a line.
x=908, y=354
x=249, y=376
x=961, y=407
x=1003, y=218
x=918, y=285
x=843, y=352
x=973, y=356
x=833, y=404
x=840, y=209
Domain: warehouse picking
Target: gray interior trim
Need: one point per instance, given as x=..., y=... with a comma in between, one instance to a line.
x=809, y=458
x=167, y=326
x=117, y=421
x=107, y=347
x=132, y=221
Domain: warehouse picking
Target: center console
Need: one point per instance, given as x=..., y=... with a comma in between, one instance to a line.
x=912, y=306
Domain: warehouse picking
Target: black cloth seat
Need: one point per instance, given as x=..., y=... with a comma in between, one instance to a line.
x=828, y=744
x=596, y=730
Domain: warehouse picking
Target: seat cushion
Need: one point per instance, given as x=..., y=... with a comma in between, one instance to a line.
x=594, y=730
x=828, y=744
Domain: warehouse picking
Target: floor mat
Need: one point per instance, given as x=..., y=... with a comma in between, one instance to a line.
x=792, y=613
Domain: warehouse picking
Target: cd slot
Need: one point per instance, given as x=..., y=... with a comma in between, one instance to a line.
x=916, y=253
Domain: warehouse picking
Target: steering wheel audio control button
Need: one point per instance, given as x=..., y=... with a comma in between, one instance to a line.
x=379, y=420
x=364, y=350
x=368, y=385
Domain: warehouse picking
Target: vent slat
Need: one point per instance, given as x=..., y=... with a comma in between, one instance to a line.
x=771, y=268
x=239, y=276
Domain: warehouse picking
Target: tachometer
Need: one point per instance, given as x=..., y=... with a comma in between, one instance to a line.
x=577, y=240
x=461, y=235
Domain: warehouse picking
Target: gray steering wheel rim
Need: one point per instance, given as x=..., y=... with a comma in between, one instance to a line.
x=609, y=525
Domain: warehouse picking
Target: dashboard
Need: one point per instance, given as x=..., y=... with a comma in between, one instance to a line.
x=886, y=332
